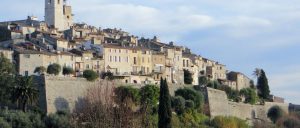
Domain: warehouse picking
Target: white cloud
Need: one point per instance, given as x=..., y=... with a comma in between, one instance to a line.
x=142, y=19
x=286, y=83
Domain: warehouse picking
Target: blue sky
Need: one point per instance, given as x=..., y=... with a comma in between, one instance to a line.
x=241, y=34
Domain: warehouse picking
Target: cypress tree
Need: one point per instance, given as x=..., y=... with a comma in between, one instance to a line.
x=263, y=86
x=164, y=110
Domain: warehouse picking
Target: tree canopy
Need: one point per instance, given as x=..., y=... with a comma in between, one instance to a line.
x=54, y=69
x=190, y=94
x=90, y=75
x=68, y=71
x=150, y=95
x=6, y=79
x=40, y=70
x=24, y=92
x=263, y=85
x=275, y=113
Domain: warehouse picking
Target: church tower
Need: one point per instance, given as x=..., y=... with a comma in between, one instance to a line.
x=58, y=14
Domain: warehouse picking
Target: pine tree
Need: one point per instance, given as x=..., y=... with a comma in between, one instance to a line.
x=263, y=86
x=164, y=110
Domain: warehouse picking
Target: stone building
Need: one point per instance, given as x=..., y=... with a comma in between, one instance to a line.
x=117, y=59
x=28, y=60
x=58, y=14
x=158, y=61
x=242, y=81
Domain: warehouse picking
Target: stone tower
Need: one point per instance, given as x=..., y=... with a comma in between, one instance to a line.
x=58, y=14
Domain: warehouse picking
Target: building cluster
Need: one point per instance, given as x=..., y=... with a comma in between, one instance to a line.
x=31, y=43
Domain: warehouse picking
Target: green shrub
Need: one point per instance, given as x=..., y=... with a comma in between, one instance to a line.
x=214, y=84
x=4, y=123
x=228, y=122
x=126, y=95
x=193, y=119
x=250, y=95
x=107, y=75
x=176, y=123
x=291, y=122
x=40, y=70
x=189, y=104
x=275, y=113
x=19, y=119
x=150, y=95
x=68, y=71
x=178, y=104
x=57, y=121
x=190, y=94
x=90, y=75
x=54, y=69
x=231, y=93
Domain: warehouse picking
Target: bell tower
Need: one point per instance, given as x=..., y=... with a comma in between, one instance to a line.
x=54, y=14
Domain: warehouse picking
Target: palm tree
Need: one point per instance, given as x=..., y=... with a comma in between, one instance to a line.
x=256, y=72
x=24, y=92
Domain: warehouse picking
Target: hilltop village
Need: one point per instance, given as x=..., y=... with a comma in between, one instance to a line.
x=32, y=45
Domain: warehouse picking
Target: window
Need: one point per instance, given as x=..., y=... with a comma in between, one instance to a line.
x=26, y=73
x=119, y=58
x=58, y=1
x=187, y=63
x=183, y=63
x=120, y=51
x=134, y=60
x=116, y=59
x=87, y=66
x=50, y=1
x=110, y=58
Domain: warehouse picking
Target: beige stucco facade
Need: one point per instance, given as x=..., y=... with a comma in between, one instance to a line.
x=117, y=60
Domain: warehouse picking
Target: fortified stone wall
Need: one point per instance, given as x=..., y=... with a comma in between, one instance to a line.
x=220, y=106
x=61, y=93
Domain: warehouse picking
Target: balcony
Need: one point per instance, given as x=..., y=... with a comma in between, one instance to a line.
x=121, y=74
x=159, y=69
x=169, y=64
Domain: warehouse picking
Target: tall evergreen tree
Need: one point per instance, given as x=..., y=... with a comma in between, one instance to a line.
x=263, y=86
x=7, y=70
x=164, y=110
